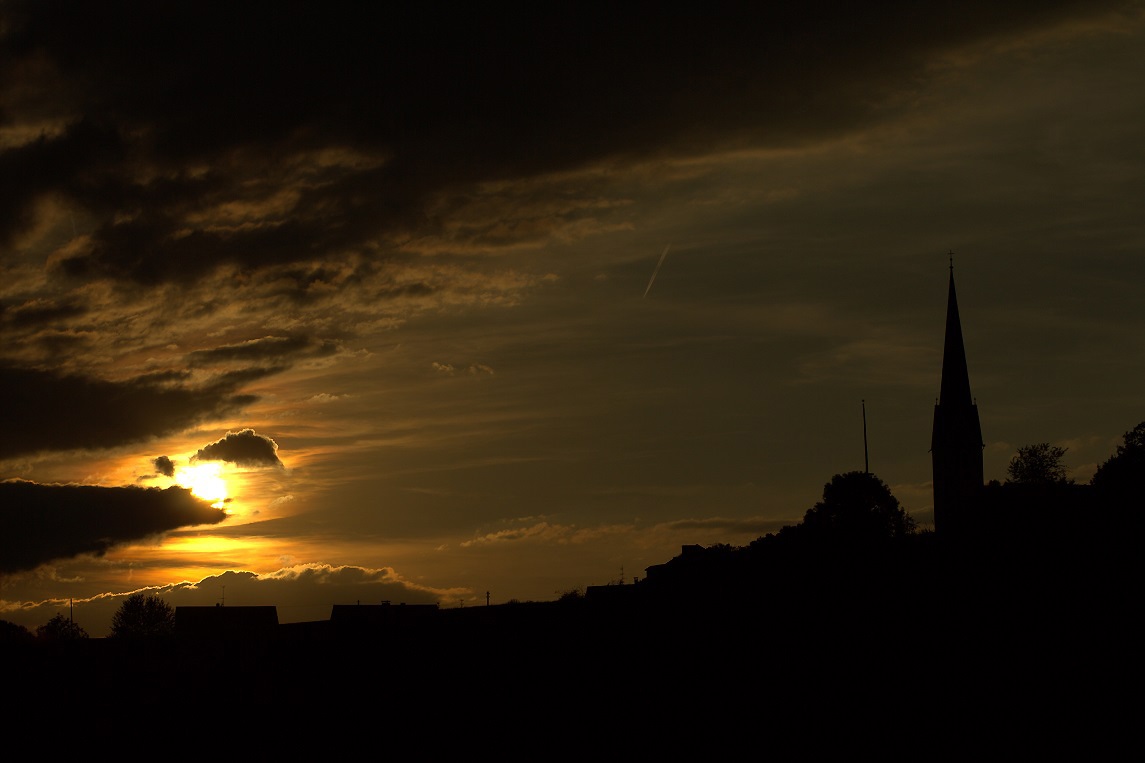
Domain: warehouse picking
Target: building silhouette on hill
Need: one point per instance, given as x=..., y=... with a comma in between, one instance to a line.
x=204, y=622
x=956, y=438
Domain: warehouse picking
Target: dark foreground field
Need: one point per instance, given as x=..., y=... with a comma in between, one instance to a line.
x=1001, y=667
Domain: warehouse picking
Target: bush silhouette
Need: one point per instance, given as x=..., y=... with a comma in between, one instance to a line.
x=60, y=628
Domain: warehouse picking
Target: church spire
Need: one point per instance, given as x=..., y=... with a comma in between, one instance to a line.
x=955, y=390
x=956, y=439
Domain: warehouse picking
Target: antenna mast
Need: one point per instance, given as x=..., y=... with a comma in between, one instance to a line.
x=866, y=459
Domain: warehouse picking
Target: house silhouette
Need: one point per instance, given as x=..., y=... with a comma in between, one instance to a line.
x=219, y=622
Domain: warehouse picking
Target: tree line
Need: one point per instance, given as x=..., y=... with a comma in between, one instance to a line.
x=857, y=510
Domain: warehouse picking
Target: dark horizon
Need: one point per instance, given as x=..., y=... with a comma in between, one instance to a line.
x=319, y=304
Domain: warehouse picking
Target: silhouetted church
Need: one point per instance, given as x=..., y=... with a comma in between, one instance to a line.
x=956, y=439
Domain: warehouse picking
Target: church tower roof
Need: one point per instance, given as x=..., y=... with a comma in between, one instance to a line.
x=956, y=439
x=955, y=389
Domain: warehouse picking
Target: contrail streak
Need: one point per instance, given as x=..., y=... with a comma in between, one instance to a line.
x=657, y=270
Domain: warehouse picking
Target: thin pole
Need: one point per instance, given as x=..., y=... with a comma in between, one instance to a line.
x=866, y=459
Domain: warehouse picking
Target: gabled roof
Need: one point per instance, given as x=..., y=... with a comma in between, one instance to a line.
x=220, y=621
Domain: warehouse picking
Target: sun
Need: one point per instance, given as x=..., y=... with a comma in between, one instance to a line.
x=205, y=480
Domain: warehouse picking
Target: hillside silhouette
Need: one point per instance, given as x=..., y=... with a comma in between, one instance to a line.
x=1006, y=630
x=842, y=620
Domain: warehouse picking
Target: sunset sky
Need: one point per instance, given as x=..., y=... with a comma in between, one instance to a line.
x=434, y=302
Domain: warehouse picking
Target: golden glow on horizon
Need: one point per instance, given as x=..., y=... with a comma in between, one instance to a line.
x=205, y=480
x=206, y=544
x=193, y=557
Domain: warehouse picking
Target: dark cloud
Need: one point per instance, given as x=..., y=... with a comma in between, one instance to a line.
x=44, y=523
x=269, y=348
x=59, y=164
x=430, y=98
x=40, y=313
x=243, y=448
x=47, y=411
x=164, y=466
x=156, y=247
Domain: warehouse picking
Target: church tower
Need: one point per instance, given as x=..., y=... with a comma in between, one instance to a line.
x=956, y=439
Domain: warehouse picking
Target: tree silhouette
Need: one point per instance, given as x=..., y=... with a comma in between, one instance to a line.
x=60, y=628
x=1123, y=474
x=1039, y=464
x=857, y=505
x=13, y=633
x=143, y=616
